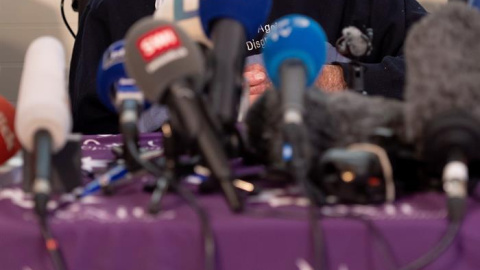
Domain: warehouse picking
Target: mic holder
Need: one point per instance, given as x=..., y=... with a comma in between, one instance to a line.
x=129, y=112
x=453, y=136
x=66, y=168
x=356, y=77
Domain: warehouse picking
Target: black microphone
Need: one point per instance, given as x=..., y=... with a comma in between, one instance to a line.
x=229, y=23
x=334, y=123
x=169, y=68
x=332, y=120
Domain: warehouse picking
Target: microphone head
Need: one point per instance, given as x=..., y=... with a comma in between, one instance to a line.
x=249, y=13
x=158, y=54
x=186, y=15
x=334, y=120
x=9, y=144
x=264, y=120
x=296, y=37
x=443, y=66
x=360, y=118
x=110, y=70
x=43, y=102
x=113, y=83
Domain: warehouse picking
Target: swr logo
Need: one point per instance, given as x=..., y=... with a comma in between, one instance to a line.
x=157, y=42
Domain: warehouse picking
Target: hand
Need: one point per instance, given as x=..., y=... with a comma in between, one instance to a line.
x=257, y=79
x=331, y=79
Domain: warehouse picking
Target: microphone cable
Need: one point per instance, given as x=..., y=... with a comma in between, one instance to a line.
x=65, y=21
x=384, y=247
x=298, y=164
x=435, y=252
x=455, y=179
x=42, y=189
x=129, y=130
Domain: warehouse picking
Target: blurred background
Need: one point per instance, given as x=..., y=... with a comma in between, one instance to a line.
x=21, y=21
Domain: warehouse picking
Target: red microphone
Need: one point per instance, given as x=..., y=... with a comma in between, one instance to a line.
x=9, y=144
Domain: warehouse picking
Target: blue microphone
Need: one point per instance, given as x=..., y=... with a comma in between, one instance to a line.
x=250, y=14
x=113, y=84
x=229, y=23
x=118, y=92
x=294, y=54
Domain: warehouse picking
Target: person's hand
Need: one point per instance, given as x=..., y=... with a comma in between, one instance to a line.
x=257, y=79
x=331, y=79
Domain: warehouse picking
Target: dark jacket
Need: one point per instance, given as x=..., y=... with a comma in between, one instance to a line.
x=106, y=21
x=102, y=23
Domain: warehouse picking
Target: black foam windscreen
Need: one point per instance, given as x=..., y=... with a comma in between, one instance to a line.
x=443, y=67
x=264, y=121
x=360, y=118
x=331, y=120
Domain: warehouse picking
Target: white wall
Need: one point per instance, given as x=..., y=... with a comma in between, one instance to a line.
x=21, y=21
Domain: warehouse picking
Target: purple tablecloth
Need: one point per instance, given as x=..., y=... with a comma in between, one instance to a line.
x=116, y=233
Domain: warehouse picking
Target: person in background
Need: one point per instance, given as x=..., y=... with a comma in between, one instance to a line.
x=106, y=21
x=102, y=23
x=384, y=67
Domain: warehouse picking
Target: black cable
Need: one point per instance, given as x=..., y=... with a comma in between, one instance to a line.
x=317, y=234
x=207, y=232
x=457, y=208
x=385, y=247
x=65, y=21
x=439, y=249
x=299, y=168
x=42, y=189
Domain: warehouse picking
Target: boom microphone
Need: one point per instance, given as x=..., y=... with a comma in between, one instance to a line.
x=9, y=144
x=169, y=68
x=229, y=23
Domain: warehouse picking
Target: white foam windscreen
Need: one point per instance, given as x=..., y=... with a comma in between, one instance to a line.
x=43, y=102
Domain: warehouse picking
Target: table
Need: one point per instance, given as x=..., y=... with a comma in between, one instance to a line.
x=115, y=232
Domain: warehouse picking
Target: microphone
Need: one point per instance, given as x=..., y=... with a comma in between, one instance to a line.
x=354, y=45
x=185, y=14
x=442, y=88
x=48, y=108
x=336, y=121
x=118, y=92
x=442, y=116
x=157, y=49
x=9, y=144
x=44, y=121
x=229, y=23
x=113, y=84
x=294, y=54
